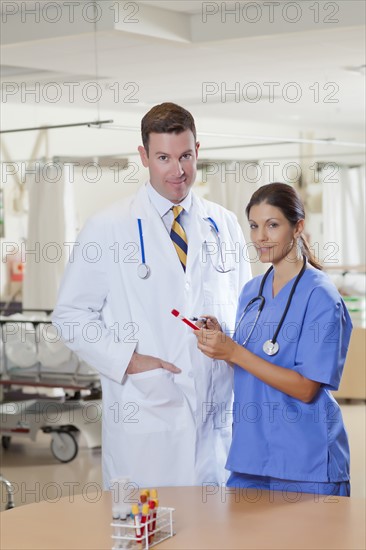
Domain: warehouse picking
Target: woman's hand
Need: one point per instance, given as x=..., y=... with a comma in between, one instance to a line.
x=215, y=343
x=210, y=323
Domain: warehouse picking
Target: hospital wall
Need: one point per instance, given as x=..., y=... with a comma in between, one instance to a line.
x=91, y=195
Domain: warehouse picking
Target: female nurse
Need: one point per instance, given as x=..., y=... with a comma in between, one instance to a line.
x=288, y=352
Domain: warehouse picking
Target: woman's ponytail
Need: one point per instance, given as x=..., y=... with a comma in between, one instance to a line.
x=305, y=249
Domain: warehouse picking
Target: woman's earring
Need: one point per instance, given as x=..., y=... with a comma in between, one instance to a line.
x=299, y=251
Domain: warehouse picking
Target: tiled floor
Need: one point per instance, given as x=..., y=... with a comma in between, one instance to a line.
x=36, y=475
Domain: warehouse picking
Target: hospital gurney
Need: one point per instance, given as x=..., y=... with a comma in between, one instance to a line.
x=34, y=357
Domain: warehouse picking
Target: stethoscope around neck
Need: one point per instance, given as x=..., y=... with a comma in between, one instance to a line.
x=271, y=346
x=143, y=269
x=220, y=267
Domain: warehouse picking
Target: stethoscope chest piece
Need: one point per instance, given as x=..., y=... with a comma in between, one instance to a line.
x=143, y=271
x=270, y=348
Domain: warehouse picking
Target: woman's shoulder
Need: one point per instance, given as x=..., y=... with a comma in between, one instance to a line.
x=314, y=282
x=319, y=286
x=324, y=300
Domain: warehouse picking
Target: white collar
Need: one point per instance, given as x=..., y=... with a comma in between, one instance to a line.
x=162, y=204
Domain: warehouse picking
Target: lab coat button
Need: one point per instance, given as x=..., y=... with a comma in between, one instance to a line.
x=188, y=285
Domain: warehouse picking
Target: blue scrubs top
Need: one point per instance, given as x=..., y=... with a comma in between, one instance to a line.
x=277, y=435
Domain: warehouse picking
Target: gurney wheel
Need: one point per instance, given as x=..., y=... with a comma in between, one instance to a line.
x=64, y=446
x=5, y=441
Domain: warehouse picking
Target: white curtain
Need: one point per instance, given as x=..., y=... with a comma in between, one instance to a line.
x=344, y=217
x=232, y=186
x=51, y=230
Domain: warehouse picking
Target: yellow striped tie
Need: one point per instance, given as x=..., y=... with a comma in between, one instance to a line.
x=179, y=237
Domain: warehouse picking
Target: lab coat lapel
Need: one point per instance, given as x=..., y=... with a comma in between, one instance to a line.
x=200, y=230
x=156, y=238
x=141, y=206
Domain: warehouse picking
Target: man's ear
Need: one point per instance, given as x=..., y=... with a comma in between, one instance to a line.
x=197, y=147
x=143, y=156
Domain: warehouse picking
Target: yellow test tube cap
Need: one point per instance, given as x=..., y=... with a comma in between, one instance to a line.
x=145, y=509
x=135, y=509
x=154, y=493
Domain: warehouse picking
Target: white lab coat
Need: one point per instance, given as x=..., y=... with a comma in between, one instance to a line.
x=158, y=428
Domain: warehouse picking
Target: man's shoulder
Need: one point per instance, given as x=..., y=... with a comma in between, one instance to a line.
x=116, y=211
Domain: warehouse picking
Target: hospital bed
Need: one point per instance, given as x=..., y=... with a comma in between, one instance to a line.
x=45, y=387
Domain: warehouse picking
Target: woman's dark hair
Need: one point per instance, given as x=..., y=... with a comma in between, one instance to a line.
x=285, y=198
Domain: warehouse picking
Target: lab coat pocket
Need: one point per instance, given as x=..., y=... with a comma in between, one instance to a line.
x=160, y=402
x=219, y=288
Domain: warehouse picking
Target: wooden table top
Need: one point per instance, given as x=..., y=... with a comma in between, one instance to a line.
x=204, y=518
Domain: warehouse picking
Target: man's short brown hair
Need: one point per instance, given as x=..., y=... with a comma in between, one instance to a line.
x=166, y=118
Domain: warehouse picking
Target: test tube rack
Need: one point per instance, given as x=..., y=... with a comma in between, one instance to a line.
x=124, y=532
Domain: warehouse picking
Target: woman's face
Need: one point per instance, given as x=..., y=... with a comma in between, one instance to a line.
x=272, y=234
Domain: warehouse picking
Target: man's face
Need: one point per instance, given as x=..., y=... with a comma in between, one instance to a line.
x=172, y=163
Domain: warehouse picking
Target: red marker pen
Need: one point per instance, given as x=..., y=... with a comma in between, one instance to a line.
x=184, y=319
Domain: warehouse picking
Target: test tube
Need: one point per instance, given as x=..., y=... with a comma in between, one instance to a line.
x=121, y=491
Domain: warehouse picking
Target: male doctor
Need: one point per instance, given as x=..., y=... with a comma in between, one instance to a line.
x=166, y=407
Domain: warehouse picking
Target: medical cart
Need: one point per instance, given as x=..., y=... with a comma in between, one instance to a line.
x=64, y=393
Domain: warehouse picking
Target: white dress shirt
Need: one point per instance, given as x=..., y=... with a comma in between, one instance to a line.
x=164, y=208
